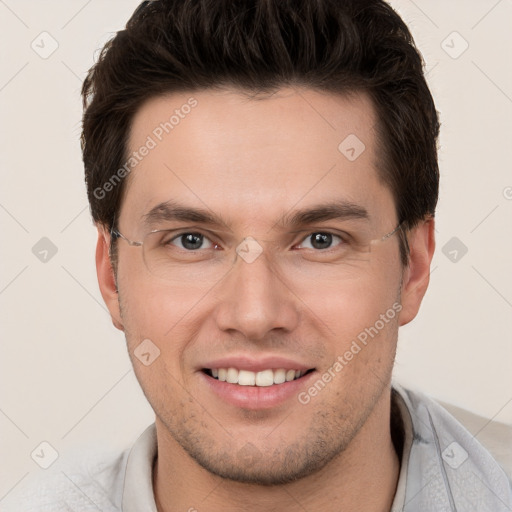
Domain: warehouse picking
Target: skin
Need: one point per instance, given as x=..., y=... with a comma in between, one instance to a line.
x=251, y=161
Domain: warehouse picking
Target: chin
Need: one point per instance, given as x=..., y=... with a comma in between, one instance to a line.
x=250, y=466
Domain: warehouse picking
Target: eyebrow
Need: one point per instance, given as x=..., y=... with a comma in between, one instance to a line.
x=335, y=210
x=171, y=210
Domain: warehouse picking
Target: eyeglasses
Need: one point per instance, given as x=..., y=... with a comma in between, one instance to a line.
x=187, y=254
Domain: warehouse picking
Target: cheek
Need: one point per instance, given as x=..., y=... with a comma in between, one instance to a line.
x=165, y=314
x=156, y=323
x=351, y=300
x=152, y=307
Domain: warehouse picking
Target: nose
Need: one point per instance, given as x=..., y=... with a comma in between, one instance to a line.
x=254, y=300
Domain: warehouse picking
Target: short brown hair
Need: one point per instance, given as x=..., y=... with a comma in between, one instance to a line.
x=338, y=46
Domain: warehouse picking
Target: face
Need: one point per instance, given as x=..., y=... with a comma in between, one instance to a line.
x=274, y=266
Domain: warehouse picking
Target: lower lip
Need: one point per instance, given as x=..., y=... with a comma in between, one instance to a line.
x=256, y=397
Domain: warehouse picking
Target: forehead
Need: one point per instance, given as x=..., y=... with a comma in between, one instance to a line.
x=254, y=158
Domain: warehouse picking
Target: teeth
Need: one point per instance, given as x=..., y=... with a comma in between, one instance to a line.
x=265, y=378
x=290, y=375
x=262, y=379
x=246, y=378
x=232, y=376
x=279, y=376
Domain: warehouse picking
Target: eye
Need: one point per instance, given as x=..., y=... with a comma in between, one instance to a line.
x=192, y=241
x=320, y=241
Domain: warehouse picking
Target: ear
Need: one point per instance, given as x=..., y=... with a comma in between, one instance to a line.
x=416, y=275
x=106, y=279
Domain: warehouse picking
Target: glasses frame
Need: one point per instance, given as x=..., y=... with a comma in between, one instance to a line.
x=115, y=234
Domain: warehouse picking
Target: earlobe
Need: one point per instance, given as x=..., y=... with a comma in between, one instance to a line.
x=106, y=278
x=416, y=275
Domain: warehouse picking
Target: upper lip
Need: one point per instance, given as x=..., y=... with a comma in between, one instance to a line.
x=253, y=364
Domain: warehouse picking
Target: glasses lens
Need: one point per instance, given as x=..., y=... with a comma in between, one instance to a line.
x=185, y=258
x=191, y=258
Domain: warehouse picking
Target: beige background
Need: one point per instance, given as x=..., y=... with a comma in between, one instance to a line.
x=65, y=376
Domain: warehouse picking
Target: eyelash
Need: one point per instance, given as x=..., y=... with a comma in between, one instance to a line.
x=343, y=241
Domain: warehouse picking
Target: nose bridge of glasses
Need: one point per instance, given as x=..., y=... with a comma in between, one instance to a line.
x=250, y=250
x=258, y=272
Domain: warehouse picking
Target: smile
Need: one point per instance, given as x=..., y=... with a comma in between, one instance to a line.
x=262, y=378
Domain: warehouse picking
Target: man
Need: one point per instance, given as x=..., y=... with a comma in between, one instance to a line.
x=263, y=176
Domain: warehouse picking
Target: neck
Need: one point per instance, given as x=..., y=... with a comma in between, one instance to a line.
x=363, y=477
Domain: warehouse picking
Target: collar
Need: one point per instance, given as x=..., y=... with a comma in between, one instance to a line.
x=443, y=467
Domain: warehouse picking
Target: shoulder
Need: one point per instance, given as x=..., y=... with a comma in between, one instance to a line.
x=447, y=465
x=496, y=437
x=83, y=481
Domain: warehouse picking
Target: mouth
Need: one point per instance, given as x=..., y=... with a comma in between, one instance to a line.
x=263, y=378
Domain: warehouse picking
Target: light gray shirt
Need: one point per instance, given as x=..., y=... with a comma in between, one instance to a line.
x=443, y=469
